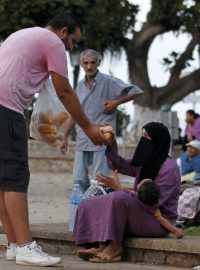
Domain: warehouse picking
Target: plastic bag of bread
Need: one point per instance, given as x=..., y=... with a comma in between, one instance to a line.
x=49, y=117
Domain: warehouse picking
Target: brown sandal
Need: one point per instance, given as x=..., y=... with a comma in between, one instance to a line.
x=87, y=254
x=104, y=258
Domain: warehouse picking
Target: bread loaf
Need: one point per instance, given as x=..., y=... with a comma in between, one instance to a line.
x=107, y=132
x=106, y=129
x=46, y=117
x=46, y=128
x=107, y=136
x=61, y=118
x=50, y=138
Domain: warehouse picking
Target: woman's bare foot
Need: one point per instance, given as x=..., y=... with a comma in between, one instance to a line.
x=112, y=250
x=86, y=254
x=111, y=253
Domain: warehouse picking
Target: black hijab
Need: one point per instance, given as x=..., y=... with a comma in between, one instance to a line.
x=150, y=154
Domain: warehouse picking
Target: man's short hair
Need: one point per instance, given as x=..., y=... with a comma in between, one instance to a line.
x=65, y=20
x=90, y=52
x=148, y=192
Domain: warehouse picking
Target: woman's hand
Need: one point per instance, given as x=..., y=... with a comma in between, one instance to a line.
x=112, y=139
x=111, y=181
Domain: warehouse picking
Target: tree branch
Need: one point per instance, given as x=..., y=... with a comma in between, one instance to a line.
x=137, y=50
x=185, y=56
x=147, y=34
x=179, y=88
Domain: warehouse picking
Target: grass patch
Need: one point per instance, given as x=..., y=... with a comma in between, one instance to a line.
x=192, y=231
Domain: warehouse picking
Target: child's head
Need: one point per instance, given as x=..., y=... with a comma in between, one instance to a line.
x=148, y=192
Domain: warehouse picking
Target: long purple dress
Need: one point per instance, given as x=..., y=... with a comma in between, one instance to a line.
x=120, y=213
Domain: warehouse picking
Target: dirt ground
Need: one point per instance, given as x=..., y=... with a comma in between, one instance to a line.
x=48, y=197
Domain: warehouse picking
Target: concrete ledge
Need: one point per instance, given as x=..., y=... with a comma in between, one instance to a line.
x=189, y=244
x=43, y=158
x=55, y=238
x=53, y=231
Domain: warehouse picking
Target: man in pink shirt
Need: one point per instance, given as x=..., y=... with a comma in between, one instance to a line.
x=27, y=58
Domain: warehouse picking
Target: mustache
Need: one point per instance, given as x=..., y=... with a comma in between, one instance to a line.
x=89, y=70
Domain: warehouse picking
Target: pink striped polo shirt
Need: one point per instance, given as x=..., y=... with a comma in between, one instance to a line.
x=26, y=58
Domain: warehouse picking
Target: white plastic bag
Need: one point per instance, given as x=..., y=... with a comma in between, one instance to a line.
x=94, y=190
x=49, y=117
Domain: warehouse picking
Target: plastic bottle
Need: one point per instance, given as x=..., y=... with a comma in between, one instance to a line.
x=76, y=197
x=94, y=190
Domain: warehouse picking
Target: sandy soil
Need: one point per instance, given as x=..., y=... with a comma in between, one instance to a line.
x=49, y=197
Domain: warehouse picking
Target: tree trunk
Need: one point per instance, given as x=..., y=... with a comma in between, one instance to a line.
x=142, y=116
x=149, y=103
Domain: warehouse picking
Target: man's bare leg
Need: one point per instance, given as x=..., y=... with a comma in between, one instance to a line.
x=17, y=208
x=6, y=222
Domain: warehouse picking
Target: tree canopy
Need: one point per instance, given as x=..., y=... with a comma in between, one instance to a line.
x=110, y=25
x=104, y=22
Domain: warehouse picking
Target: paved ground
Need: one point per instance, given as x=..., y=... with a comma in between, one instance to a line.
x=49, y=197
x=74, y=263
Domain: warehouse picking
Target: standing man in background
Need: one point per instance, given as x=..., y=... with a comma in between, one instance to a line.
x=100, y=95
x=192, y=129
x=27, y=58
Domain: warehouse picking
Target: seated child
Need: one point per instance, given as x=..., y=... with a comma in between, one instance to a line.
x=149, y=193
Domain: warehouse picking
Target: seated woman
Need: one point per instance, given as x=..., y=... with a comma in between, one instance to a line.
x=107, y=219
x=190, y=161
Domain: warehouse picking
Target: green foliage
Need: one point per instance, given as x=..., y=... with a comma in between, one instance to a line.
x=192, y=231
x=191, y=16
x=175, y=15
x=73, y=134
x=123, y=120
x=166, y=13
x=28, y=13
x=104, y=22
x=170, y=61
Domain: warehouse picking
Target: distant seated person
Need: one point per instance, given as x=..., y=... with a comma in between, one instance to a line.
x=192, y=129
x=190, y=161
x=149, y=193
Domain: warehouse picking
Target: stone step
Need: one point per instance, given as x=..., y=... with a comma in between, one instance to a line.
x=71, y=262
x=55, y=238
x=43, y=158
